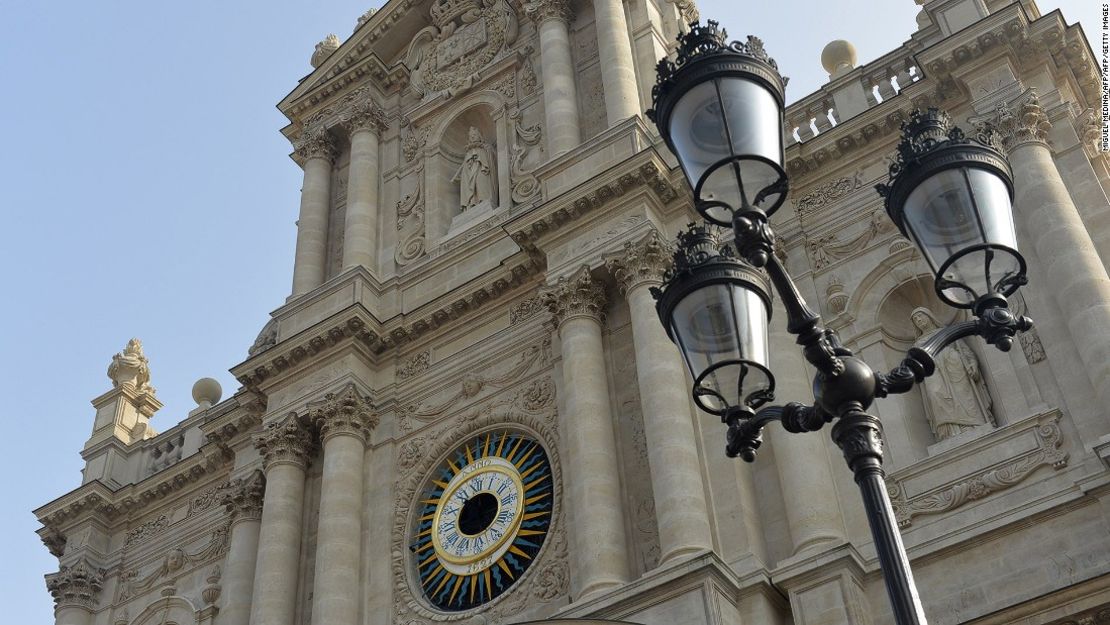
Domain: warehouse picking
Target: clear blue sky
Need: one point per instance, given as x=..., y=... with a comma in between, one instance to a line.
x=147, y=192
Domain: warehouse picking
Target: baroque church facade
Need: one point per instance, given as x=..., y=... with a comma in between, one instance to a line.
x=467, y=410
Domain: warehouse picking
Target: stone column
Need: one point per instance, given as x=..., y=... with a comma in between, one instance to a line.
x=243, y=501
x=318, y=153
x=365, y=121
x=1076, y=277
x=804, y=468
x=344, y=420
x=75, y=589
x=676, y=473
x=618, y=72
x=598, y=546
x=286, y=447
x=560, y=96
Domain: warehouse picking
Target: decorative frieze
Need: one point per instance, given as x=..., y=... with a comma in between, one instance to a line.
x=206, y=500
x=175, y=561
x=146, y=531
x=242, y=498
x=810, y=201
x=285, y=441
x=576, y=296
x=1031, y=346
x=525, y=309
x=347, y=412
x=54, y=540
x=471, y=385
x=640, y=262
x=1047, y=452
x=415, y=366
x=829, y=248
x=77, y=585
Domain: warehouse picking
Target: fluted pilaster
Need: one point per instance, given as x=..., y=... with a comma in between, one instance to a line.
x=676, y=476
x=243, y=501
x=560, y=95
x=317, y=151
x=344, y=420
x=365, y=121
x=618, y=71
x=1076, y=277
x=593, y=484
x=286, y=447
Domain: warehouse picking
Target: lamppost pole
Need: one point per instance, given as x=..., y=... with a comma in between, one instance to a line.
x=719, y=107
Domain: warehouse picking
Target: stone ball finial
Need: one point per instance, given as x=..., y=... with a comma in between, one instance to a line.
x=207, y=392
x=838, y=58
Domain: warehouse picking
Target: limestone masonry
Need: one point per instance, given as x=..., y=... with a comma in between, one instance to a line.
x=467, y=410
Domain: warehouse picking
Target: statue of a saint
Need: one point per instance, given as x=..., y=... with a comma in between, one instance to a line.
x=475, y=175
x=955, y=397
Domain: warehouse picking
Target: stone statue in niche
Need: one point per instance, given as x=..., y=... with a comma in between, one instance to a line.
x=475, y=175
x=955, y=397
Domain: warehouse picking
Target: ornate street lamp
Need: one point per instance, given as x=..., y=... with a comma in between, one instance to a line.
x=719, y=107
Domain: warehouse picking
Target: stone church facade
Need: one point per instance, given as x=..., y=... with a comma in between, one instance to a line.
x=468, y=412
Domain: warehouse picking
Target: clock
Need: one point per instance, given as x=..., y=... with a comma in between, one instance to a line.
x=483, y=517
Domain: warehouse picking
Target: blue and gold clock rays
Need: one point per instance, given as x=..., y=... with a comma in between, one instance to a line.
x=484, y=516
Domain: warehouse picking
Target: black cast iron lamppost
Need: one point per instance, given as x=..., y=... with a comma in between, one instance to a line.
x=719, y=107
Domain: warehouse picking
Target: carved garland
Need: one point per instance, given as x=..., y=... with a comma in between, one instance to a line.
x=472, y=384
x=984, y=483
x=531, y=410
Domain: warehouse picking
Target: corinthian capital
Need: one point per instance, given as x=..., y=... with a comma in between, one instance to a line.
x=364, y=115
x=640, y=262
x=285, y=442
x=316, y=144
x=347, y=412
x=243, y=497
x=542, y=10
x=75, y=586
x=1021, y=122
x=576, y=296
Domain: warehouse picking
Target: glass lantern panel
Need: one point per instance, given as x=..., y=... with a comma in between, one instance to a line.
x=992, y=198
x=697, y=131
x=720, y=329
x=957, y=209
x=755, y=127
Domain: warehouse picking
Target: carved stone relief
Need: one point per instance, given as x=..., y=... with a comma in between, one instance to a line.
x=471, y=385
x=1031, y=346
x=410, y=221
x=146, y=531
x=525, y=309
x=531, y=408
x=525, y=185
x=447, y=57
x=415, y=366
x=176, y=560
x=813, y=199
x=206, y=500
x=413, y=139
x=983, y=483
x=827, y=249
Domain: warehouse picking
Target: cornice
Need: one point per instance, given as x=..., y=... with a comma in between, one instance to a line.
x=644, y=172
x=96, y=499
x=355, y=326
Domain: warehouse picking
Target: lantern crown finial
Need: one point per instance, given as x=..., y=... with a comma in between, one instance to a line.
x=701, y=42
x=929, y=130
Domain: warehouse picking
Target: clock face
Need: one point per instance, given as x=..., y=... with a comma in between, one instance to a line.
x=484, y=517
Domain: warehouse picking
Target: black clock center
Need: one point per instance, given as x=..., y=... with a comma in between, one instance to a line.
x=478, y=514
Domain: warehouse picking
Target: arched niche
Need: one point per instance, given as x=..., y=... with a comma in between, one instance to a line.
x=172, y=610
x=483, y=112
